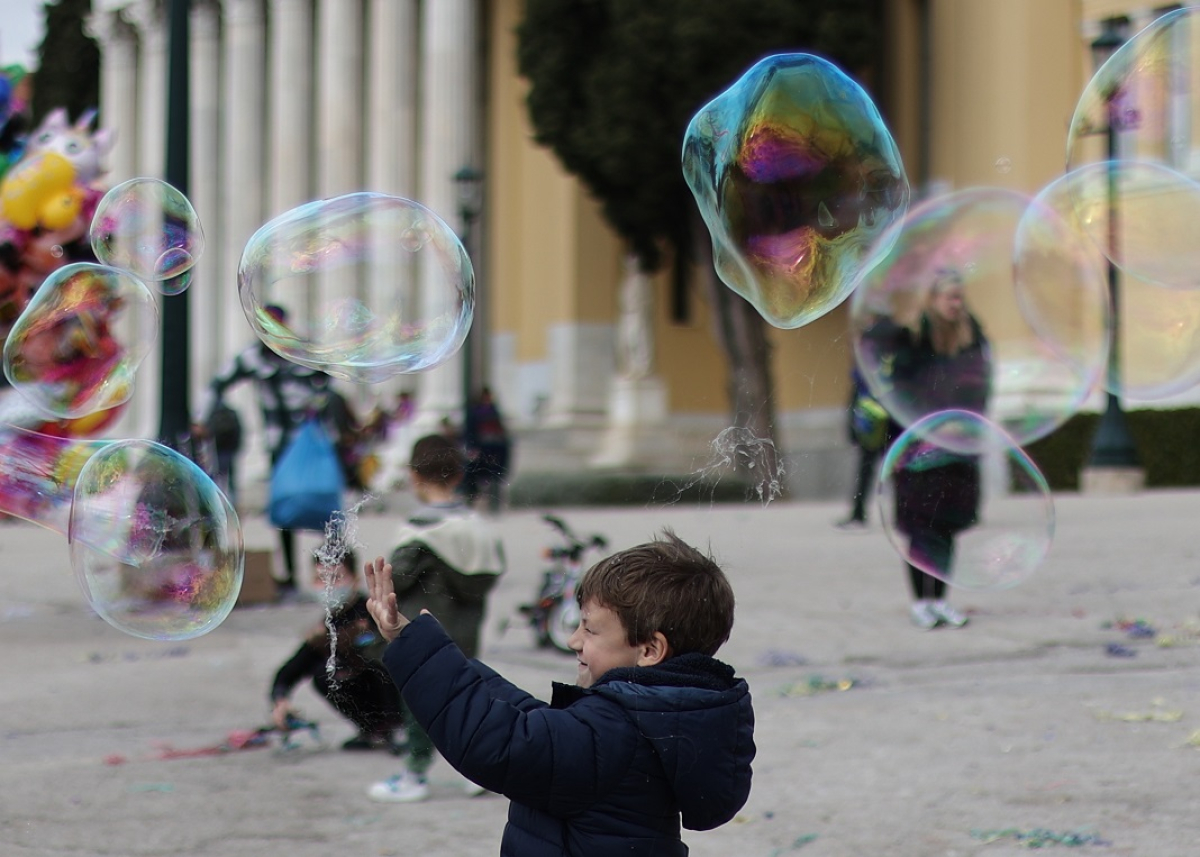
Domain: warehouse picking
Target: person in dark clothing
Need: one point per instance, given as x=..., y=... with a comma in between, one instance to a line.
x=285, y=392
x=488, y=449
x=447, y=559
x=869, y=428
x=943, y=362
x=654, y=735
x=357, y=687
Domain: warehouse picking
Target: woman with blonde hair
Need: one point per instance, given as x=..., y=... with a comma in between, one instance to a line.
x=940, y=360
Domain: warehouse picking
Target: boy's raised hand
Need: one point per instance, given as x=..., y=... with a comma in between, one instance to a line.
x=381, y=599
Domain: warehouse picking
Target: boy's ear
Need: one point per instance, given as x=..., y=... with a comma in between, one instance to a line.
x=653, y=651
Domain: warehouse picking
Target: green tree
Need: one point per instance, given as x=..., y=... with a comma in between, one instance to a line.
x=68, y=73
x=613, y=85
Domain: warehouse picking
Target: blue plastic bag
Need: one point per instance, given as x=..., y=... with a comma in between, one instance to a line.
x=307, y=481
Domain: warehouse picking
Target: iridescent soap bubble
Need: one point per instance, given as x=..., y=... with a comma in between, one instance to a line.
x=1159, y=330
x=975, y=521
x=1146, y=95
x=373, y=285
x=937, y=322
x=795, y=175
x=1159, y=351
x=155, y=545
x=75, y=348
x=149, y=228
x=1060, y=278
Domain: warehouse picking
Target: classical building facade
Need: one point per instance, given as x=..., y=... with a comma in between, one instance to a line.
x=293, y=100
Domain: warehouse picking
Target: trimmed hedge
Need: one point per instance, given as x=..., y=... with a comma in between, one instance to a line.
x=1167, y=442
x=537, y=490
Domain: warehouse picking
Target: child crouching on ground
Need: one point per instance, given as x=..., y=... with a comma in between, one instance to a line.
x=655, y=730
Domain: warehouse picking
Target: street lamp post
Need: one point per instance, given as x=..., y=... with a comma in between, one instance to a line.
x=1112, y=445
x=174, y=405
x=469, y=182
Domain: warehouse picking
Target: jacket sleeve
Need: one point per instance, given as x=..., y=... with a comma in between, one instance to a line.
x=557, y=761
x=297, y=668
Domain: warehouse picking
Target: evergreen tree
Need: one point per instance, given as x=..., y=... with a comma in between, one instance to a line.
x=613, y=85
x=68, y=73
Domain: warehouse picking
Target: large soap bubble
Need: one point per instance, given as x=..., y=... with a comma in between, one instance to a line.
x=795, y=175
x=374, y=285
x=149, y=228
x=940, y=516
x=1136, y=115
x=75, y=348
x=938, y=324
x=1159, y=333
x=155, y=545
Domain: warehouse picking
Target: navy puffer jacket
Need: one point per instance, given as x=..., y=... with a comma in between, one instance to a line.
x=603, y=771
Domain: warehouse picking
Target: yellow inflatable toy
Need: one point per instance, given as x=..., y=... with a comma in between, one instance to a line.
x=41, y=190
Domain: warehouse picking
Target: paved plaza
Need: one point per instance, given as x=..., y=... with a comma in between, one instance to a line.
x=1045, y=714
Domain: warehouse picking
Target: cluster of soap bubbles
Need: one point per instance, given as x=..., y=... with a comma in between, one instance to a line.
x=155, y=544
x=981, y=319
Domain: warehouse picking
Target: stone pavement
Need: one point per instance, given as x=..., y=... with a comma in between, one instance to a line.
x=945, y=743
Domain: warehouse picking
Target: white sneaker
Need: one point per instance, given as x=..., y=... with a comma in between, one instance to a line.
x=947, y=614
x=923, y=616
x=402, y=788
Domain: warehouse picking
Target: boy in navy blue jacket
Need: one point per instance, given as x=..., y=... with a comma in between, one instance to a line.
x=655, y=730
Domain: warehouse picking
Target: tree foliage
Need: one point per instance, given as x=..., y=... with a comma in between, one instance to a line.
x=614, y=84
x=68, y=73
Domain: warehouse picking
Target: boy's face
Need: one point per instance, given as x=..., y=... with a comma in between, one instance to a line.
x=600, y=644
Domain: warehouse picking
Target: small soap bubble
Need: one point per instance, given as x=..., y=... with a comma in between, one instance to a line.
x=374, y=286
x=77, y=345
x=147, y=227
x=796, y=175
x=1004, y=166
x=940, y=516
x=155, y=545
x=937, y=322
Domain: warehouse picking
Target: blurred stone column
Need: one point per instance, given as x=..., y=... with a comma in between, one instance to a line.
x=289, y=167
x=243, y=157
x=637, y=409
x=391, y=143
x=450, y=106
x=209, y=290
x=150, y=162
x=118, y=90
x=340, y=120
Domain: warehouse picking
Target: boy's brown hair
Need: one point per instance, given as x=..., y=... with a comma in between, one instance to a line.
x=436, y=459
x=665, y=585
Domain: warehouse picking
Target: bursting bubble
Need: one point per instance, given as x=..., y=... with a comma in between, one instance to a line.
x=149, y=228
x=796, y=176
x=75, y=348
x=374, y=286
x=156, y=546
x=940, y=516
x=938, y=322
x=1135, y=115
